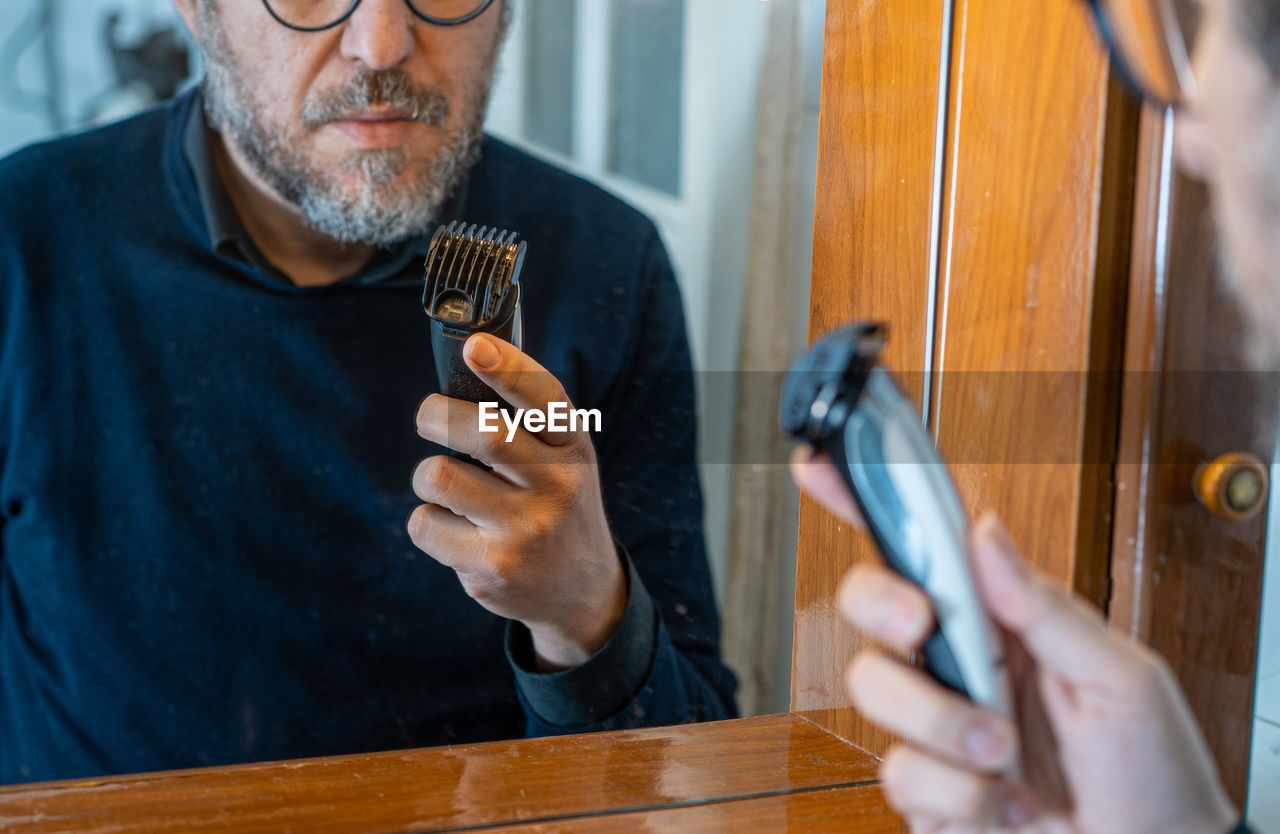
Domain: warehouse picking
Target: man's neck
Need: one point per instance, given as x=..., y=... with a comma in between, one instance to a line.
x=309, y=258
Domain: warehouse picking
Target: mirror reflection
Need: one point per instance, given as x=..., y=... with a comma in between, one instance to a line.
x=242, y=520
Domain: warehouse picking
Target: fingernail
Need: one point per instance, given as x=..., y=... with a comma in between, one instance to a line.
x=483, y=352
x=900, y=623
x=1018, y=810
x=985, y=744
x=992, y=536
x=1000, y=534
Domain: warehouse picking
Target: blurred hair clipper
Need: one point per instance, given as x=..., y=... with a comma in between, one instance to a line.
x=839, y=399
x=472, y=286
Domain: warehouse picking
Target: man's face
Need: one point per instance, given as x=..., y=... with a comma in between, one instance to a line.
x=366, y=127
x=1230, y=138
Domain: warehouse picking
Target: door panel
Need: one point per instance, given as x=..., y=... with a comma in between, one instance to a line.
x=1187, y=582
x=871, y=259
x=1034, y=274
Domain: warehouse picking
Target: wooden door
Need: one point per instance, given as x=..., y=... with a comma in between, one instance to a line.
x=974, y=168
x=1185, y=581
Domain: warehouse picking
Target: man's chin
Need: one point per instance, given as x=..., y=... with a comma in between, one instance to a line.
x=1261, y=347
x=371, y=170
x=1258, y=339
x=1254, y=295
x=382, y=190
x=375, y=196
x=370, y=213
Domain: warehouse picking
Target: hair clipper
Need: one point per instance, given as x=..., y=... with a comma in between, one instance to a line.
x=843, y=403
x=472, y=286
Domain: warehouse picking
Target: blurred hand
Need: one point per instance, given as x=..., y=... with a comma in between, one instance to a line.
x=1108, y=742
x=529, y=539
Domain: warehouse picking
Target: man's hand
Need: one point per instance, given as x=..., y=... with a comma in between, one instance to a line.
x=529, y=539
x=1108, y=741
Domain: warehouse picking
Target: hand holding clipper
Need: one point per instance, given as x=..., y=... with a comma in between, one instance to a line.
x=472, y=286
x=529, y=543
x=838, y=399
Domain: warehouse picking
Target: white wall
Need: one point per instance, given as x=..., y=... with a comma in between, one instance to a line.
x=1263, y=802
x=813, y=25
x=85, y=64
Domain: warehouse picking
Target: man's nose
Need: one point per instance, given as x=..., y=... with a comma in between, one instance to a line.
x=379, y=34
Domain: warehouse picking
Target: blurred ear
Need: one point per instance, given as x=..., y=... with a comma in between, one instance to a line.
x=1191, y=143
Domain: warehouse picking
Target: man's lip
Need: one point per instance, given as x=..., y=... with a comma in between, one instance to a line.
x=378, y=114
x=376, y=133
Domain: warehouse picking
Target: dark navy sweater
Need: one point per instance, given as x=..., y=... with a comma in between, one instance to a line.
x=205, y=474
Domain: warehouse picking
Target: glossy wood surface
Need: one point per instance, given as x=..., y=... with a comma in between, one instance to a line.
x=871, y=258
x=591, y=779
x=1134, y=509
x=837, y=811
x=1186, y=582
x=1034, y=274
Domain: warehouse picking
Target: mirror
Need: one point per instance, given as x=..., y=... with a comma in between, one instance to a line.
x=703, y=116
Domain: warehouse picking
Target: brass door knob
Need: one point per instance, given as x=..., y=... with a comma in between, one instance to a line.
x=1233, y=487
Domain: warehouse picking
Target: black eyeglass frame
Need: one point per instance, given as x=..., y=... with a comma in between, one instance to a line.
x=1128, y=77
x=1103, y=26
x=434, y=21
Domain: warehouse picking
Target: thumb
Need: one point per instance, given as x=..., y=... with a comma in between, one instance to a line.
x=1063, y=633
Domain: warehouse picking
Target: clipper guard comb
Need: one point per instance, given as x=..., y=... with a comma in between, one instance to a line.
x=472, y=286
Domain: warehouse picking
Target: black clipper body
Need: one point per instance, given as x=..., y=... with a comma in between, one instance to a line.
x=472, y=286
x=842, y=402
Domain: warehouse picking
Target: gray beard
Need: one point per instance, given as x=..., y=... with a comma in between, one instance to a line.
x=377, y=211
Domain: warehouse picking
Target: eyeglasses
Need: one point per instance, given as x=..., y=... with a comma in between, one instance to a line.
x=317, y=15
x=1152, y=42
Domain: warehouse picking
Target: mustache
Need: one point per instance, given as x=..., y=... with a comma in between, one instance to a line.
x=390, y=88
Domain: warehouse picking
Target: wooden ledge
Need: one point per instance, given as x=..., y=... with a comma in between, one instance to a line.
x=748, y=774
